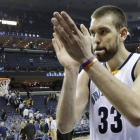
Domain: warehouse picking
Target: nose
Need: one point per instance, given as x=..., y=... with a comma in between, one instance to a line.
x=96, y=39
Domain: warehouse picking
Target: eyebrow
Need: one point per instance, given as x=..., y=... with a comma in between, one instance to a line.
x=104, y=28
x=101, y=28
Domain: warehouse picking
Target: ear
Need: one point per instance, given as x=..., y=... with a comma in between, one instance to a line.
x=123, y=34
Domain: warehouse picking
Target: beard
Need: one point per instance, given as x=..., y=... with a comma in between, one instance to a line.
x=108, y=53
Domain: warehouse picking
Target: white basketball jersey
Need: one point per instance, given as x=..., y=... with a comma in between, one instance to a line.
x=105, y=122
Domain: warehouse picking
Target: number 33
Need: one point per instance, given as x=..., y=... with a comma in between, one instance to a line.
x=104, y=127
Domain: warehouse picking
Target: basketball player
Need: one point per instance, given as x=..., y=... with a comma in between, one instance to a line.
x=114, y=92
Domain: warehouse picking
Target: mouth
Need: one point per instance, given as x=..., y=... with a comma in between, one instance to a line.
x=99, y=51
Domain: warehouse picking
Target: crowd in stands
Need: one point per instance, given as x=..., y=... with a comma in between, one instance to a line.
x=25, y=107
x=30, y=129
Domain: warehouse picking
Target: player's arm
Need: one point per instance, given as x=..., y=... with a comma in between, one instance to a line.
x=75, y=92
x=73, y=100
x=77, y=45
x=124, y=99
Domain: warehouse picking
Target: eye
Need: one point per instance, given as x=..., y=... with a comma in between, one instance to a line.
x=102, y=32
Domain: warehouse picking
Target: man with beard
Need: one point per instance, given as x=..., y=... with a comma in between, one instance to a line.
x=114, y=92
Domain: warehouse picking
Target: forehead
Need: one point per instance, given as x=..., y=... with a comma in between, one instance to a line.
x=103, y=22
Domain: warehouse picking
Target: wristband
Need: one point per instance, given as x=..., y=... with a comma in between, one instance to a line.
x=90, y=64
x=87, y=62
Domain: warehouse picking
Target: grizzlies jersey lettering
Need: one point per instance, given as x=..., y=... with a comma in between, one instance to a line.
x=105, y=122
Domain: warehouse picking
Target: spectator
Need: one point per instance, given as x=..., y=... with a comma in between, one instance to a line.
x=48, y=99
x=30, y=130
x=21, y=107
x=45, y=100
x=30, y=111
x=38, y=116
x=4, y=115
x=31, y=116
x=28, y=103
x=35, y=113
x=44, y=129
x=37, y=128
x=13, y=94
x=26, y=122
x=51, y=110
x=54, y=97
x=22, y=131
x=25, y=113
x=35, y=46
x=82, y=123
x=31, y=100
x=40, y=58
x=28, y=94
x=46, y=110
x=32, y=108
x=3, y=131
x=16, y=103
x=47, y=120
x=16, y=129
x=53, y=128
x=87, y=115
x=3, y=58
x=8, y=98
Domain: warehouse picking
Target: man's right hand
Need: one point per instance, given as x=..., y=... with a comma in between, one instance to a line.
x=63, y=57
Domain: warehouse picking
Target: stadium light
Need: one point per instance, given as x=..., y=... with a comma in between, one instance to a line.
x=8, y=22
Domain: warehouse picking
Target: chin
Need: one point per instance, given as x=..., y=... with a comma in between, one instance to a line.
x=103, y=58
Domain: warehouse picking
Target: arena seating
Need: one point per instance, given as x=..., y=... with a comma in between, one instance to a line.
x=39, y=104
x=40, y=23
x=9, y=110
x=22, y=62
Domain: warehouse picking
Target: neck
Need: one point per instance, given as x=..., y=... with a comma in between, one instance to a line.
x=118, y=59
